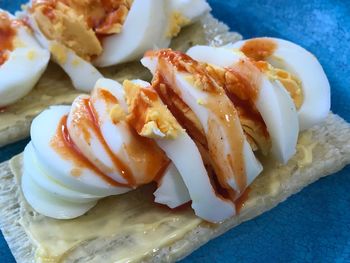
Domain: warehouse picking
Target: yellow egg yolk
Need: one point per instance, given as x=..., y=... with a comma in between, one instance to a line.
x=148, y=115
x=290, y=82
x=79, y=24
x=177, y=21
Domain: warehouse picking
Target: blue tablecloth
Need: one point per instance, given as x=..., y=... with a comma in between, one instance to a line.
x=314, y=225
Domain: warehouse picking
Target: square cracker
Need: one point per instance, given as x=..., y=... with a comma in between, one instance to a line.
x=321, y=151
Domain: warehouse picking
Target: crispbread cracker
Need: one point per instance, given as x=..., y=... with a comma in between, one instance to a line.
x=55, y=87
x=328, y=144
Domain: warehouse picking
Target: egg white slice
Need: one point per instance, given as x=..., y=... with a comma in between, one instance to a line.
x=43, y=179
x=119, y=135
x=305, y=66
x=115, y=88
x=191, y=96
x=274, y=103
x=185, y=155
x=143, y=29
x=23, y=68
x=171, y=190
x=115, y=134
x=81, y=72
x=80, y=125
x=190, y=9
x=46, y=204
x=43, y=131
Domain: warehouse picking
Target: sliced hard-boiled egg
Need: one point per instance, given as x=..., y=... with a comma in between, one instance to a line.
x=42, y=178
x=244, y=80
x=109, y=33
x=98, y=127
x=85, y=152
x=206, y=202
x=82, y=73
x=180, y=13
x=144, y=26
x=149, y=24
x=57, y=154
x=85, y=132
x=22, y=60
x=232, y=157
x=171, y=190
x=190, y=9
x=181, y=150
x=45, y=203
x=292, y=58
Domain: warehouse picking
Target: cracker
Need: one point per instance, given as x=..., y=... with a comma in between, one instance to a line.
x=329, y=144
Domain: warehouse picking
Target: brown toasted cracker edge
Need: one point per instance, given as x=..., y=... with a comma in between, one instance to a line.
x=55, y=87
x=331, y=152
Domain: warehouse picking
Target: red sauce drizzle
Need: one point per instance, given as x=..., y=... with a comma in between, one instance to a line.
x=47, y=7
x=124, y=170
x=240, y=202
x=259, y=48
x=139, y=113
x=64, y=145
x=107, y=96
x=99, y=15
x=183, y=114
x=242, y=85
x=184, y=63
x=220, y=105
x=7, y=34
x=146, y=159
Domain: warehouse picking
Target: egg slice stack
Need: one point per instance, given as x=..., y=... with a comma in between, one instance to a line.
x=22, y=60
x=85, y=34
x=194, y=130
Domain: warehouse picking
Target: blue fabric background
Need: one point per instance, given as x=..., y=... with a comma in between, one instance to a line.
x=314, y=225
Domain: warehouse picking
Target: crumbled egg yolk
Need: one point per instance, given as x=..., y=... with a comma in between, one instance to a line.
x=148, y=115
x=59, y=52
x=117, y=114
x=290, y=82
x=177, y=21
x=76, y=24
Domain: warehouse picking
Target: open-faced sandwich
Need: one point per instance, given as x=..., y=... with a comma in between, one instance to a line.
x=83, y=38
x=156, y=157
x=150, y=171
